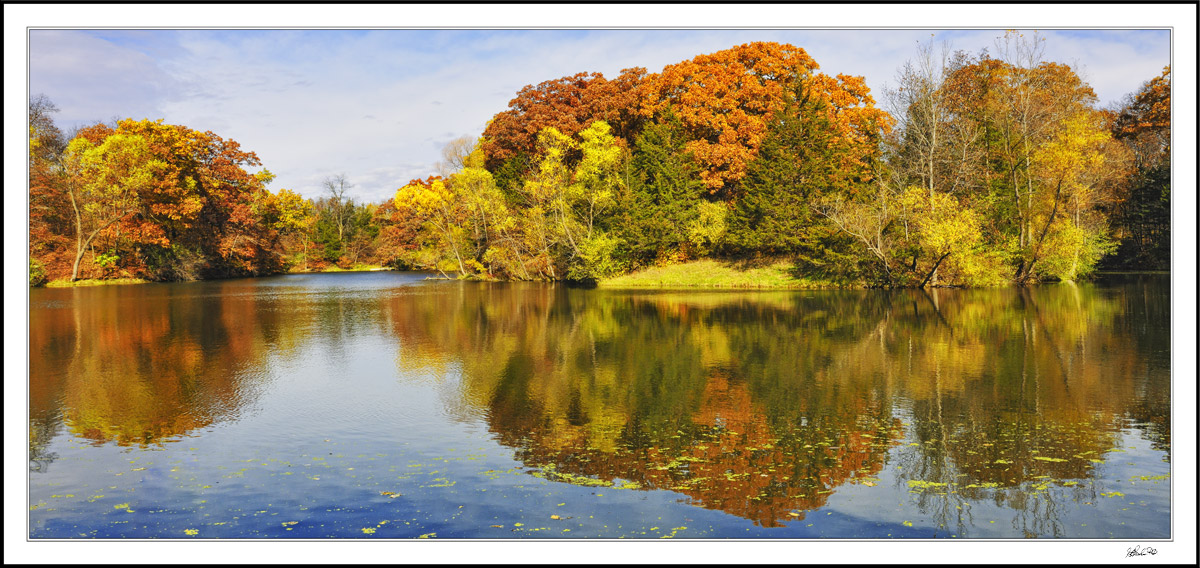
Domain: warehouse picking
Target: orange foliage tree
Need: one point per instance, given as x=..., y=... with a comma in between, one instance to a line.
x=725, y=100
x=49, y=211
x=147, y=199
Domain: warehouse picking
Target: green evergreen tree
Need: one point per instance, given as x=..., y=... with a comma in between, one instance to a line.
x=798, y=162
x=663, y=195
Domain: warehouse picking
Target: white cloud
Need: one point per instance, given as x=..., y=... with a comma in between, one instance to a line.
x=92, y=79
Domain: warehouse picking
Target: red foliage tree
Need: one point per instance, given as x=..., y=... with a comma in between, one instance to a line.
x=569, y=104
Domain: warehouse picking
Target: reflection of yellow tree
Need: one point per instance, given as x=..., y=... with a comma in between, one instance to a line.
x=1014, y=397
x=140, y=366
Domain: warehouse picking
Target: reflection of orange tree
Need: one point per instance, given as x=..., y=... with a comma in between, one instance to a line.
x=728, y=459
x=137, y=366
x=587, y=397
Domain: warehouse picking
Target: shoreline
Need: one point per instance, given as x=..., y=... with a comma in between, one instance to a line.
x=704, y=274
x=93, y=282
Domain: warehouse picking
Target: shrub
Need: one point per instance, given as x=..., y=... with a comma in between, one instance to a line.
x=37, y=274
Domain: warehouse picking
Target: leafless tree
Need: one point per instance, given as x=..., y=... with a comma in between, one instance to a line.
x=339, y=206
x=454, y=155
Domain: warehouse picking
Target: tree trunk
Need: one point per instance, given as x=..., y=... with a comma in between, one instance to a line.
x=1037, y=247
x=78, y=237
x=81, y=246
x=934, y=271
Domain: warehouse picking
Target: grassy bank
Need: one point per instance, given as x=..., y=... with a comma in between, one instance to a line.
x=709, y=273
x=355, y=268
x=64, y=283
x=335, y=268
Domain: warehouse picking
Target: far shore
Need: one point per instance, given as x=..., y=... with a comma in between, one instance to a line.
x=89, y=282
x=709, y=274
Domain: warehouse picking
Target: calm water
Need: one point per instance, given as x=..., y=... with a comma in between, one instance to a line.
x=383, y=405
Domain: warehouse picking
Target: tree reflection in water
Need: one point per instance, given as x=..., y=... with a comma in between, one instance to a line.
x=759, y=404
x=130, y=366
x=763, y=404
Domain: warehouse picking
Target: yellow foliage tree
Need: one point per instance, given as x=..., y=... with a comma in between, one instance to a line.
x=107, y=182
x=441, y=211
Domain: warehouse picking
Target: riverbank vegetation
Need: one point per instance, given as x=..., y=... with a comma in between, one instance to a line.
x=974, y=170
x=713, y=273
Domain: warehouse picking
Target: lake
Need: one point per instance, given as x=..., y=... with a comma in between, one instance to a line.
x=389, y=406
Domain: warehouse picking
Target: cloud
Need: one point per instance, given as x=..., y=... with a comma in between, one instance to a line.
x=93, y=79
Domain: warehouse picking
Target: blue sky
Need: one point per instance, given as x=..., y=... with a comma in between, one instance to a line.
x=378, y=105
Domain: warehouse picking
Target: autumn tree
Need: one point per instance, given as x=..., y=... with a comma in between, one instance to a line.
x=399, y=236
x=50, y=214
x=1143, y=125
x=569, y=105
x=725, y=99
x=546, y=222
x=164, y=202
x=1028, y=106
x=293, y=217
x=592, y=197
x=555, y=225
x=486, y=208
x=931, y=147
x=434, y=201
x=1027, y=112
x=107, y=184
x=204, y=211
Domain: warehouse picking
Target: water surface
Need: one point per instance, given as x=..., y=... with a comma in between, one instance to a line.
x=384, y=405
